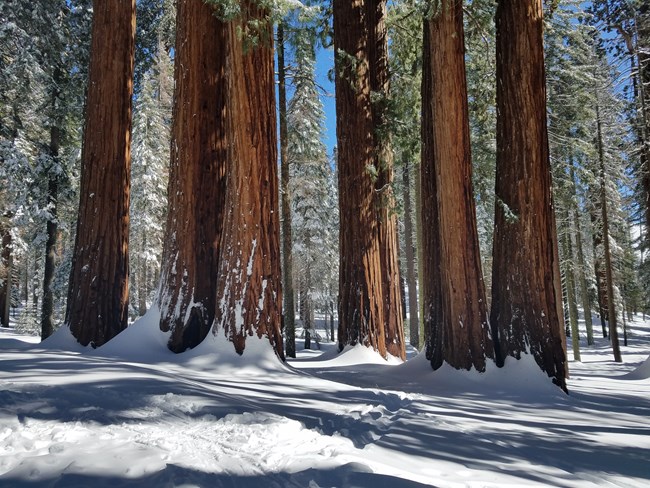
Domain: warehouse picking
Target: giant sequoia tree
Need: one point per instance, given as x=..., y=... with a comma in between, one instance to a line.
x=455, y=309
x=526, y=315
x=249, y=291
x=97, y=304
x=369, y=295
x=197, y=177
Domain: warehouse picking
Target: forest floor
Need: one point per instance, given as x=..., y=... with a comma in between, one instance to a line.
x=133, y=414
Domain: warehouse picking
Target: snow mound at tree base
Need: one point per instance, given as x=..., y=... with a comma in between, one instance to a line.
x=640, y=373
x=143, y=342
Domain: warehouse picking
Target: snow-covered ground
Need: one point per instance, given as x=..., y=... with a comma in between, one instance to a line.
x=133, y=414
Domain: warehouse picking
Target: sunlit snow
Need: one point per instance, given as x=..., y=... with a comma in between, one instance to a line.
x=132, y=413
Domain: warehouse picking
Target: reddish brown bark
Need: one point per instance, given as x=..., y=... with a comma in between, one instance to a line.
x=249, y=294
x=97, y=304
x=454, y=293
x=526, y=315
x=197, y=177
x=369, y=295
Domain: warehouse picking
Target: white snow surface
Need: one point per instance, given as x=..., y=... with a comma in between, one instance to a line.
x=131, y=413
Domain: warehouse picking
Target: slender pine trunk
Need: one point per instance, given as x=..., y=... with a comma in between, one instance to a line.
x=289, y=312
x=414, y=321
x=611, y=308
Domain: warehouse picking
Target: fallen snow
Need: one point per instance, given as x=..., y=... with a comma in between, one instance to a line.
x=131, y=413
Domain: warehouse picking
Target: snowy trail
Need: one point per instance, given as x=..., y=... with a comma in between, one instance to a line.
x=70, y=418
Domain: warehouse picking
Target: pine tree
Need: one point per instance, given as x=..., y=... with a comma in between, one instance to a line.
x=149, y=178
x=310, y=178
x=97, y=305
x=289, y=308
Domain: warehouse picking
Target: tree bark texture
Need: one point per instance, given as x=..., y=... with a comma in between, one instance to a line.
x=289, y=312
x=369, y=295
x=197, y=177
x=454, y=292
x=97, y=306
x=249, y=291
x=526, y=314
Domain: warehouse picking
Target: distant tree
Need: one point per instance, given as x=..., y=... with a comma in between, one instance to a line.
x=526, y=314
x=310, y=187
x=149, y=178
x=369, y=294
x=406, y=79
x=97, y=306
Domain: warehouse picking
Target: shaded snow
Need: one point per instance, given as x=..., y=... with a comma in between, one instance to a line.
x=131, y=413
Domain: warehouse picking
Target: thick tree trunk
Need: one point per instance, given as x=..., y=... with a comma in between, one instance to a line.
x=526, y=315
x=414, y=321
x=388, y=238
x=289, y=312
x=611, y=307
x=369, y=295
x=97, y=307
x=249, y=292
x=454, y=293
x=197, y=177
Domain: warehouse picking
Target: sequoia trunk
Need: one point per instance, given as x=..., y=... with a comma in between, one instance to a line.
x=526, y=314
x=197, y=177
x=98, y=294
x=454, y=292
x=369, y=296
x=249, y=292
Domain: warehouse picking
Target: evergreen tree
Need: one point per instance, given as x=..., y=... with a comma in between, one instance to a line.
x=455, y=306
x=197, y=177
x=149, y=177
x=97, y=305
x=526, y=314
x=314, y=248
x=404, y=23
x=249, y=290
x=369, y=294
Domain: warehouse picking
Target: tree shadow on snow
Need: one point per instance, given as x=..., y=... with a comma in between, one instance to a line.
x=350, y=475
